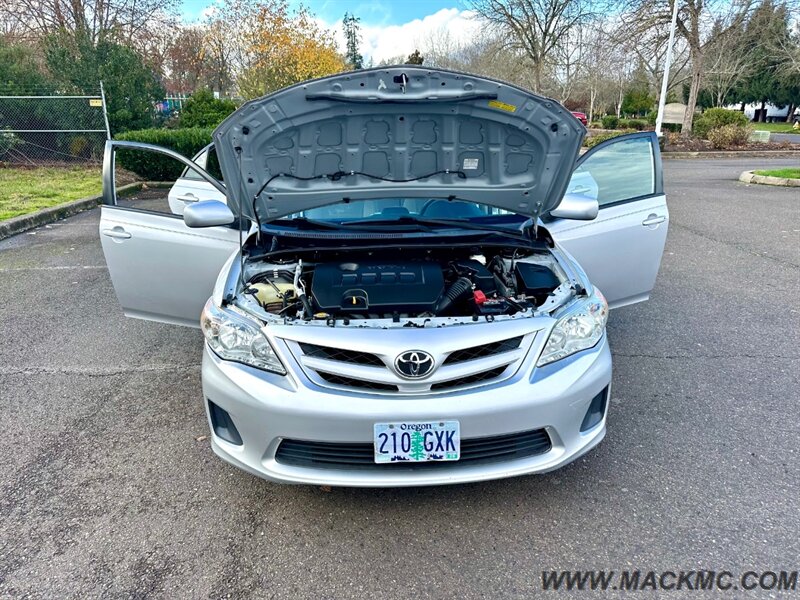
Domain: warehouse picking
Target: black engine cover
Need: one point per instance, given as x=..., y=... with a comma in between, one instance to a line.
x=377, y=287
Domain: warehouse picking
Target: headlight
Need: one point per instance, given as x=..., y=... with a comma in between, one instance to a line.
x=579, y=329
x=234, y=337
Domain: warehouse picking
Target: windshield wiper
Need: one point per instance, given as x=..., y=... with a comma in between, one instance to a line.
x=452, y=223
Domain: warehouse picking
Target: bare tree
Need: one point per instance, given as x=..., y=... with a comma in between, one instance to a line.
x=727, y=62
x=122, y=20
x=602, y=68
x=484, y=53
x=787, y=51
x=649, y=46
x=217, y=56
x=536, y=28
x=694, y=25
x=184, y=61
x=569, y=62
x=441, y=49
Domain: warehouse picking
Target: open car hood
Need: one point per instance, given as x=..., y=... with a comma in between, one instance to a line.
x=393, y=132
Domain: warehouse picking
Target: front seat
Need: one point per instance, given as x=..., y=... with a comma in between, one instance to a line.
x=451, y=209
x=394, y=212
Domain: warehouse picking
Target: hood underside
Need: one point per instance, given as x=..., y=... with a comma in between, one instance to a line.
x=397, y=132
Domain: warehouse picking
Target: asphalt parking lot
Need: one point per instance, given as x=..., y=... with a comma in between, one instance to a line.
x=110, y=489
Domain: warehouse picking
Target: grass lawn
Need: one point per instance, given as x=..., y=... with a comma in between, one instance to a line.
x=25, y=190
x=789, y=173
x=775, y=127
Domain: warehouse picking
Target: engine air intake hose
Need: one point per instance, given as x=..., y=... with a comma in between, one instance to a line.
x=459, y=291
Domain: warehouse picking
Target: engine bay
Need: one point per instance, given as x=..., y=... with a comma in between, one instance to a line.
x=407, y=285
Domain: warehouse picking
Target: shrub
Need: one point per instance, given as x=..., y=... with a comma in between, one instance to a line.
x=79, y=146
x=610, y=122
x=203, y=110
x=729, y=136
x=157, y=167
x=652, y=116
x=671, y=138
x=637, y=124
x=7, y=141
x=717, y=117
x=591, y=142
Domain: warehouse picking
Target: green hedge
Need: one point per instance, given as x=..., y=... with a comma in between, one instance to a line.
x=157, y=167
x=637, y=124
x=714, y=118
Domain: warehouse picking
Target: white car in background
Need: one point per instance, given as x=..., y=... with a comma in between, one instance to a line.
x=190, y=187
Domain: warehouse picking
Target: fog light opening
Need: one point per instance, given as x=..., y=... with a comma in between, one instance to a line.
x=597, y=408
x=222, y=424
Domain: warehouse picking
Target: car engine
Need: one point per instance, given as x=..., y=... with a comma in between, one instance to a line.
x=415, y=287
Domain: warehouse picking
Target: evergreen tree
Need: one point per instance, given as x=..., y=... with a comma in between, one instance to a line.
x=20, y=73
x=132, y=88
x=204, y=110
x=637, y=100
x=415, y=58
x=352, y=36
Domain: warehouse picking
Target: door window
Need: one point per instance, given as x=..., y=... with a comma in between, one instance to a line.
x=161, y=183
x=620, y=171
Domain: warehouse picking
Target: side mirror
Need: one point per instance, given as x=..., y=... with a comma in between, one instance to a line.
x=207, y=213
x=577, y=207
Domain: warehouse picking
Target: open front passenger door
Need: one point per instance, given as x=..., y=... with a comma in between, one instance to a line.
x=162, y=270
x=621, y=249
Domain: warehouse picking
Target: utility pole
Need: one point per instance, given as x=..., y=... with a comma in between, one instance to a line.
x=667, y=63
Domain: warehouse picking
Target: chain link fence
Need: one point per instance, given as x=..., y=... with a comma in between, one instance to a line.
x=40, y=130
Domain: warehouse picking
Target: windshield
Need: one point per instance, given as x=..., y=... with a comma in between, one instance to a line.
x=391, y=209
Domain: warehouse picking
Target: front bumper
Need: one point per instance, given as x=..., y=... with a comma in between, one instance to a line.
x=268, y=408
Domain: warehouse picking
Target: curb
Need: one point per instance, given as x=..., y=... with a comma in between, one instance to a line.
x=22, y=223
x=750, y=177
x=734, y=154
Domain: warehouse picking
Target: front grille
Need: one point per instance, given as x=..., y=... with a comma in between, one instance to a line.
x=474, y=352
x=341, y=455
x=357, y=383
x=366, y=371
x=469, y=379
x=349, y=356
x=362, y=384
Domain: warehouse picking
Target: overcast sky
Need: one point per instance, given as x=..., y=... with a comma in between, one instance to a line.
x=388, y=28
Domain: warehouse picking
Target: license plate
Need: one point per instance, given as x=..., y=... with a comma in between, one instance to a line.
x=417, y=442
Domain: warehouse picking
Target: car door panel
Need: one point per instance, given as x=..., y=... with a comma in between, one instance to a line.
x=626, y=272
x=621, y=249
x=161, y=269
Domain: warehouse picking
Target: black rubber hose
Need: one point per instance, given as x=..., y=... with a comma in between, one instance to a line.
x=460, y=290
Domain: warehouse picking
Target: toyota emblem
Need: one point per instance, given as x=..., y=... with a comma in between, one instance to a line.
x=414, y=364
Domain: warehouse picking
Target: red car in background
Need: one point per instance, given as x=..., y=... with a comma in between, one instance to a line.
x=581, y=117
